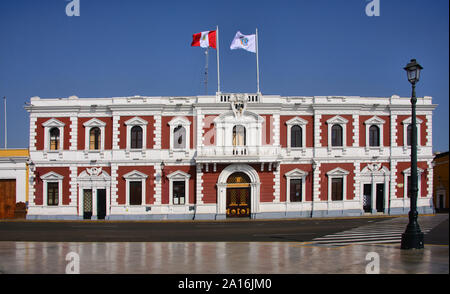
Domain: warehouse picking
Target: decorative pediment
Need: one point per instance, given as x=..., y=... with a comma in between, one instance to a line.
x=136, y=121
x=248, y=116
x=94, y=173
x=178, y=174
x=296, y=121
x=52, y=176
x=408, y=171
x=53, y=123
x=409, y=121
x=135, y=175
x=179, y=121
x=296, y=173
x=374, y=120
x=375, y=168
x=94, y=123
x=337, y=120
x=338, y=172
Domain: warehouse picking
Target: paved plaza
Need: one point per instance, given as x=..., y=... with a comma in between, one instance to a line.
x=219, y=258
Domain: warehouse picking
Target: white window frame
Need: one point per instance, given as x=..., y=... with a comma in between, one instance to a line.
x=52, y=177
x=375, y=120
x=136, y=121
x=302, y=124
x=48, y=125
x=184, y=122
x=134, y=176
x=338, y=173
x=92, y=123
x=295, y=174
x=179, y=176
x=337, y=120
x=406, y=173
x=407, y=122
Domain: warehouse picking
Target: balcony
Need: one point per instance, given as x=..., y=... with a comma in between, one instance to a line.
x=238, y=153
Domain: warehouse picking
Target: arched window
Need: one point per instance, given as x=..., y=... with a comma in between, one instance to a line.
x=336, y=135
x=136, y=137
x=374, y=136
x=54, y=139
x=179, y=137
x=296, y=136
x=409, y=135
x=94, y=138
x=239, y=136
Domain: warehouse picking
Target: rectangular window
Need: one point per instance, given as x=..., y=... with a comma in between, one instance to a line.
x=337, y=189
x=136, y=193
x=52, y=194
x=179, y=193
x=296, y=190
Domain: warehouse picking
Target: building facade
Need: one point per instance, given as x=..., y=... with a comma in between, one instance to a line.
x=228, y=155
x=441, y=176
x=13, y=183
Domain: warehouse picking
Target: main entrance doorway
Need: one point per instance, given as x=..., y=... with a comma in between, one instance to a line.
x=238, y=196
x=379, y=198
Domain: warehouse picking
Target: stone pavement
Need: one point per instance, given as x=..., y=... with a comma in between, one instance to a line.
x=218, y=258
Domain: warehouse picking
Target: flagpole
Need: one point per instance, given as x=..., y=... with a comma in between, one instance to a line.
x=257, y=63
x=206, y=72
x=218, y=64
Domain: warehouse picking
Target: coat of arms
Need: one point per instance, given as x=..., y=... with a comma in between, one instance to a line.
x=238, y=104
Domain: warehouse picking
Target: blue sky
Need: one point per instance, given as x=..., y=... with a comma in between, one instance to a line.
x=140, y=47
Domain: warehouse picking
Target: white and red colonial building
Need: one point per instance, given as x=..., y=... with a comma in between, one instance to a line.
x=228, y=155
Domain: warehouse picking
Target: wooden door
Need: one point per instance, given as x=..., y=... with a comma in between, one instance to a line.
x=238, y=202
x=7, y=198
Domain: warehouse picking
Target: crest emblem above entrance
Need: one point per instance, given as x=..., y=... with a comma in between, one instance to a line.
x=238, y=104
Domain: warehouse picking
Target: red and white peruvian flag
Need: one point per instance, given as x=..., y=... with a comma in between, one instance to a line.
x=204, y=39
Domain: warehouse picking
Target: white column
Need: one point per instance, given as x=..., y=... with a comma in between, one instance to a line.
x=73, y=185
x=355, y=130
x=317, y=130
x=199, y=196
x=158, y=183
x=114, y=183
x=276, y=184
x=393, y=130
x=157, y=132
x=276, y=127
x=33, y=127
x=374, y=194
x=73, y=133
x=357, y=180
x=316, y=183
x=115, y=132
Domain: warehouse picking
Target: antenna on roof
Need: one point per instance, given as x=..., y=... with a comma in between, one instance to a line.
x=6, y=135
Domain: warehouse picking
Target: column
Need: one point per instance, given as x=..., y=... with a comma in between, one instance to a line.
x=199, y=188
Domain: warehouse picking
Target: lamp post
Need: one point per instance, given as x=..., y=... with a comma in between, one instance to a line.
x=412, y=238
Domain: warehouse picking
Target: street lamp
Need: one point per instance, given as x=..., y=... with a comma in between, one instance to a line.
x=412, y=238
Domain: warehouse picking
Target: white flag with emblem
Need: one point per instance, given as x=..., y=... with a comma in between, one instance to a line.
x=246, y=42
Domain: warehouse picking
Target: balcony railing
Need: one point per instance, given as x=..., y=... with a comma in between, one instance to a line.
x=209, y=151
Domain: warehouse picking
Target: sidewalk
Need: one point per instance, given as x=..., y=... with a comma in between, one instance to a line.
x=219, y=258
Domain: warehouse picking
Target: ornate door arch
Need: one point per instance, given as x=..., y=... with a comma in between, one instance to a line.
x=242, y=172
x=93, y=179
